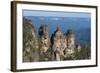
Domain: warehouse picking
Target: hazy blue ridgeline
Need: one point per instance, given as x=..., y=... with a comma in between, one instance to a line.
x=81, y=26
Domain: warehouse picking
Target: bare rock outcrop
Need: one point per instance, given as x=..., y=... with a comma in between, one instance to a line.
x=58, y=44
x=44, y=43
x=30, y=43
x=44, y=38
x=42, y=47
x=70, y=45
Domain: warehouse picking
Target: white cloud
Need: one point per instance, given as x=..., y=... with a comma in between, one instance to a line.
x=55, y=18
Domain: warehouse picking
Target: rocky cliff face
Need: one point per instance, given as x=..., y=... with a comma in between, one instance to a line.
x=63, y=46
x=43, y=48
x=44, y=38
x=58, y=44
x=70, y=49
x=44, y=43
x=30, y=43
x=58, y=47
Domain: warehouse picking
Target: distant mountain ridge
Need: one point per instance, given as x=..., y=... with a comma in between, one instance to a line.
x=81, y=26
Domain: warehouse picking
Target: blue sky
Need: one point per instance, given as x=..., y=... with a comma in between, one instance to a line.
x=55, y=14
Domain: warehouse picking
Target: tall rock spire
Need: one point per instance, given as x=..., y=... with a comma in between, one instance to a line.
x=44, y=38
x=57, y=40
x=70, y=49
x=30, y=43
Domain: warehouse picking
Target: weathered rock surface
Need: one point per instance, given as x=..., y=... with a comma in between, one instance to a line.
x=44, y=38
x=42, y=47
x=44, y=43
x=70, y=49
x=58, y=44
x=30, y=44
